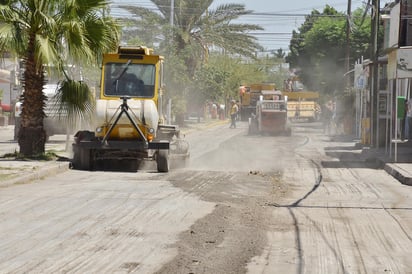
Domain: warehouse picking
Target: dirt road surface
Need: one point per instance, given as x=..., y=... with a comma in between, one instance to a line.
x=244, y=204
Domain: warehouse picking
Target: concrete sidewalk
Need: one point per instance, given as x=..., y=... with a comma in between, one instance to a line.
x=396, y=160
x=21, y=172
x=347, y=151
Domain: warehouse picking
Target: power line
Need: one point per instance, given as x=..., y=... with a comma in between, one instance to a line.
x=188, y=11
x=265, y=19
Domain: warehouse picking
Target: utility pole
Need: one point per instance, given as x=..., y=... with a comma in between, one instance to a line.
x=374, y=81
x=172, y=12
x=347, y=58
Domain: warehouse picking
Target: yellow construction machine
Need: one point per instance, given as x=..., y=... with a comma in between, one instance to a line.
x=302, y=104
x=249, y=96
x=130, y=123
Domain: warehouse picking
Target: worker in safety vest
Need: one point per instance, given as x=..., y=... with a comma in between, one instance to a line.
x=233, y=113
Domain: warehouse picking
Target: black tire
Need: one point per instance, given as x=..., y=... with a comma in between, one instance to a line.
x=162, y=159
x=82, y=159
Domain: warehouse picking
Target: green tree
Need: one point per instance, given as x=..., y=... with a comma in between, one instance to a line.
x=52, y=32
x=318, y=48
x=220, y=78
x=279, y=54
x=196, y=29
x=327, y=58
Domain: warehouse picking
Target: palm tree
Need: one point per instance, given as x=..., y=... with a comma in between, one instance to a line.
x=196, y=29
x=279, y=54
x=53, y=32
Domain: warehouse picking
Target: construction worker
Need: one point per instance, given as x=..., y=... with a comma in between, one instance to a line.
x=233, y=113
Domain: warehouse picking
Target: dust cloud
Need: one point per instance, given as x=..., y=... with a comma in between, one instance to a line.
x=246, y=153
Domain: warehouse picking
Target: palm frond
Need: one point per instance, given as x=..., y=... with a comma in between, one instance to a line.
x=83, y=7
x=86, y=33
x=74, y=101
x=5, y=12
x=227, y=12
x=144, y=14
x=46, y=51
x=6, y=35
x=101, y=36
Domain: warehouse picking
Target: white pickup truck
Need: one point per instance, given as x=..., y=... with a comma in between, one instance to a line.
x=52, y=124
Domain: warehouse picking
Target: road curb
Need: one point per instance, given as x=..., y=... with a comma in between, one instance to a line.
x=37, y=174
x=400, y=174
x=399, y=171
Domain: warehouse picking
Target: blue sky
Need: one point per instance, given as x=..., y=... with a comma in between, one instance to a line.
x=280, y=18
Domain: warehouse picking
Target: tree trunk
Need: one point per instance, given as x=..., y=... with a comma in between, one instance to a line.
x=32, y=136
x=32, y=141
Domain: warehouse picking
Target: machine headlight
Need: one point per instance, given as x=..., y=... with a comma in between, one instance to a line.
x=99, y=129
x=151, y=130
